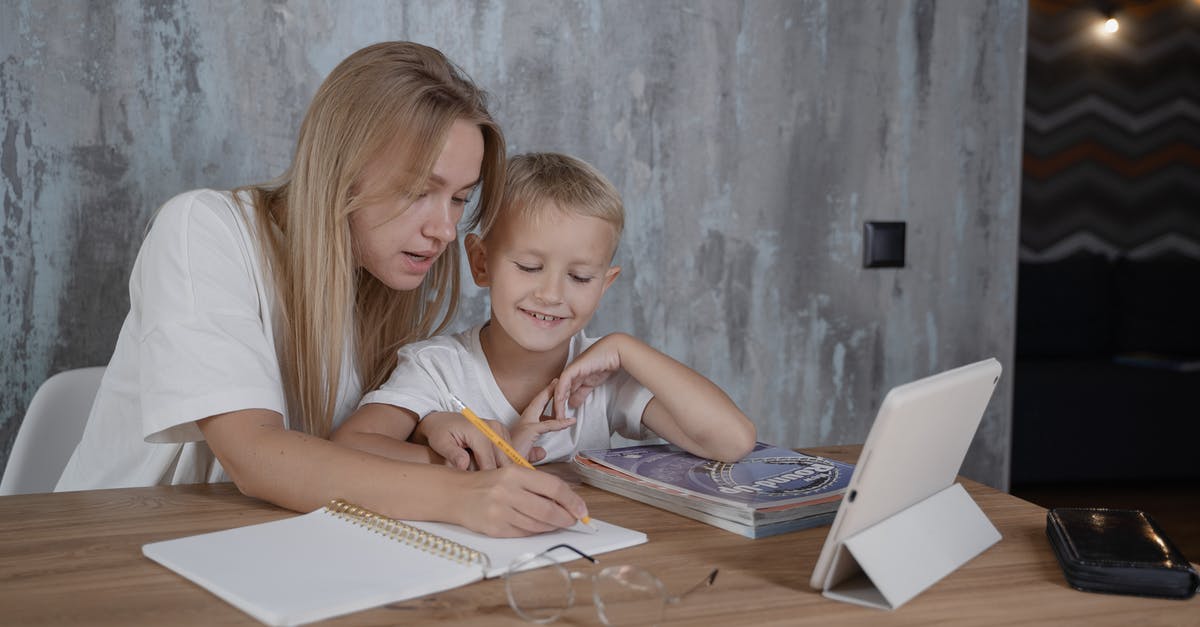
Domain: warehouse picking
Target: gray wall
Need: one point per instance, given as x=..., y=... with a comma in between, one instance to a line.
x=750, y=139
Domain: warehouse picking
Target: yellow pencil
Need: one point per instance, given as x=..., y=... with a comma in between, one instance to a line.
x=504, y=446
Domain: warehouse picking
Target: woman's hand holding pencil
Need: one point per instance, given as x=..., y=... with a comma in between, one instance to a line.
x=508, y=450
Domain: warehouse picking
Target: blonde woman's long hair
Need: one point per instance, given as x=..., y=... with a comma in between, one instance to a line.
x=393, y=96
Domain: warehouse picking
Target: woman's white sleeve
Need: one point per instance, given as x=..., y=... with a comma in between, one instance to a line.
x=205, y=345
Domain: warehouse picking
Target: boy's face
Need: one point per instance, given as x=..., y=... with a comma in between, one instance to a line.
x=546, y=275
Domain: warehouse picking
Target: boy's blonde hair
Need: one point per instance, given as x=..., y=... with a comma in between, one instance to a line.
x=399, y=97
x=533, y=182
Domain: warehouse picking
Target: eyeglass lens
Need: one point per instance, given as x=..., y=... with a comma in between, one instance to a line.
x=628, y=595
x=539, y=589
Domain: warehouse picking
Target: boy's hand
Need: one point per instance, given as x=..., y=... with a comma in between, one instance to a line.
x=531, y=426
x=463, y=446
x=591, y=368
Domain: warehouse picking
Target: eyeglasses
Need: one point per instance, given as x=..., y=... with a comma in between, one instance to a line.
x=541, y=590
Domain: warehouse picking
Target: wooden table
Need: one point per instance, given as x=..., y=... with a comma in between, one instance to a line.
x=75, y=558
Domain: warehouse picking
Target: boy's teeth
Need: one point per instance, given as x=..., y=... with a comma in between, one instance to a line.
x=543, y=317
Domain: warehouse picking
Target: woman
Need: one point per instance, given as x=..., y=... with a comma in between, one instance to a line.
x=257, y=317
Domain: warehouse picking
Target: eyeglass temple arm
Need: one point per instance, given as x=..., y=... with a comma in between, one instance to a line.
x=703, y=583
x=571, y=548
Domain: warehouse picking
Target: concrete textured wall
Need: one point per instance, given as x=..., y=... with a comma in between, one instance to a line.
x=750, y=140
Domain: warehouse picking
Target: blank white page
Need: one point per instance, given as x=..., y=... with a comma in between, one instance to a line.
x=308, y=568
x=319, y=565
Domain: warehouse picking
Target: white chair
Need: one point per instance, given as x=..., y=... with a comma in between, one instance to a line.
x=52, y=427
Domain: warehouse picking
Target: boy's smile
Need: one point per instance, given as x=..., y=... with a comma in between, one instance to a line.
x=546, y=275
x=543, y=317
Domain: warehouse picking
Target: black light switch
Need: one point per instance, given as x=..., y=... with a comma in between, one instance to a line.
x=883, y=244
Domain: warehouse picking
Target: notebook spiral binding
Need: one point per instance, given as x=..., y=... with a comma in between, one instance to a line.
x=401, y=532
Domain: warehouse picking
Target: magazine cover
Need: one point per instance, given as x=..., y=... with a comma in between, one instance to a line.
x=769, y=476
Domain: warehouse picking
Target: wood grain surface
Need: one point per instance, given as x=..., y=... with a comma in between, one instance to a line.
x=75, y=558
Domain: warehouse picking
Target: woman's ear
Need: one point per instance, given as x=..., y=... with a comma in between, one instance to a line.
x=477, y=259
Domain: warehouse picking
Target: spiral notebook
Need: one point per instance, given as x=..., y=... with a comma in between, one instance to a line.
x=343, y=558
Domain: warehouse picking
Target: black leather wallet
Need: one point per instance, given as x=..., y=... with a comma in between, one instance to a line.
x=1120, y=551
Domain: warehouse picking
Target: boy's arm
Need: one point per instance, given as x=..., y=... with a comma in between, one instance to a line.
x=687, y=410
x=383, y=430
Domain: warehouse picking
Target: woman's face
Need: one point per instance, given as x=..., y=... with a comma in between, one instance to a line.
x=397, y=245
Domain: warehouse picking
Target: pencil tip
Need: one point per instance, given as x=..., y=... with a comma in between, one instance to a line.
x=584, y=525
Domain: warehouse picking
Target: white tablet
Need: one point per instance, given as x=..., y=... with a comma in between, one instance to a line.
x=913, y=451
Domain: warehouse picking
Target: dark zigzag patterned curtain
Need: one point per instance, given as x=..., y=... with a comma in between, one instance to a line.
x=1112, y=130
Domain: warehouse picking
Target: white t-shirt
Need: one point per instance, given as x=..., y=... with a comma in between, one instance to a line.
x=198, y=341
x=429, y=371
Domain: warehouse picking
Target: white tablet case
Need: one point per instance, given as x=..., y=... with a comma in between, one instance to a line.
x=886, y=557
x=895, y=560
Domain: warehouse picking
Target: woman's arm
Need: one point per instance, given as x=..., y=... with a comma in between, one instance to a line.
x=302, y=473
x=687, y=409
x=384, y=430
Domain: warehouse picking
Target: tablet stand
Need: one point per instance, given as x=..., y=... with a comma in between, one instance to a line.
x=891, y=562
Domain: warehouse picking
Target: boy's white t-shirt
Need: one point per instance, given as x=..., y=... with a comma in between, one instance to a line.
x=428, y=372
x=198, y=341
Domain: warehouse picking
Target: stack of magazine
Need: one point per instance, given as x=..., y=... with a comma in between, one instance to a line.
x=770, y=491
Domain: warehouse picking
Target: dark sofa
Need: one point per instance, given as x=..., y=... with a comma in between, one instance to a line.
x=1107, y=379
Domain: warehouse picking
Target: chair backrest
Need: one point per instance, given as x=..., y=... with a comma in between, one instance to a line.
x=52, y=427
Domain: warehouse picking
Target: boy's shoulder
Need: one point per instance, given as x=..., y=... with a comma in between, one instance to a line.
x=440, y=346
x=581, y=341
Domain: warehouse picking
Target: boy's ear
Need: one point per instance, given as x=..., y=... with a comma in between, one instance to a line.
x=477, y=259
x=609, y=277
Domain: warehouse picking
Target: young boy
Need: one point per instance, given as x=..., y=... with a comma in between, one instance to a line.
x=547, y=262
